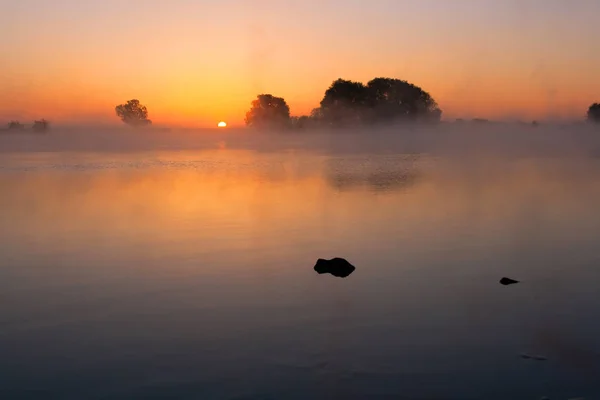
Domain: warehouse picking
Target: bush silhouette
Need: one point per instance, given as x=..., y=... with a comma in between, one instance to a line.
x=40, y=125
x=593, y=113
x=15, y=125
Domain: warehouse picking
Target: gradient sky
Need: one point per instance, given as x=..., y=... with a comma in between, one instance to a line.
x=195, y=62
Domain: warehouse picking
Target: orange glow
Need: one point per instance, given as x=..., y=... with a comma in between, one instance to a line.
x=496, y=94
x=491, y=64
x=163, y=205
x=222, y=124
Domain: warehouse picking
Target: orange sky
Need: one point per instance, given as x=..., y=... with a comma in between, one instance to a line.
x=194, y=63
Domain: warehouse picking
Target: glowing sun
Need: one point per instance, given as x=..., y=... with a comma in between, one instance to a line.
x=222, y=124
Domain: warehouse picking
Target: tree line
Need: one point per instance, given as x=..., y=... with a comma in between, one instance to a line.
x=345, y=103
x=38, y=126
x=349, y=103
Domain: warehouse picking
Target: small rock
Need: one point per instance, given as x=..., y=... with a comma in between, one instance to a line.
x=336, y=267
x=530, y=357
x=507, y=281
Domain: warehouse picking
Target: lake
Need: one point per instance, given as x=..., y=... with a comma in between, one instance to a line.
x=186, y=272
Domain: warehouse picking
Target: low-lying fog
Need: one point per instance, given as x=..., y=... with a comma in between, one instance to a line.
x=446, y=139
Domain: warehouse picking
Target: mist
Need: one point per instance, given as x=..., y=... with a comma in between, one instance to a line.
x=210, y=228
x=451, y=140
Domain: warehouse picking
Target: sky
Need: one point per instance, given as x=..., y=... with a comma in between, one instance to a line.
x=197, y=62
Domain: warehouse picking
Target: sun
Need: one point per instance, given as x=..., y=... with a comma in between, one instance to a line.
x=222, y=124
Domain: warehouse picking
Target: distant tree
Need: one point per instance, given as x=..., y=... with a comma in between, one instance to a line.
x=15, y=125
x=40, y=125
x=268, y=111
x=593, y=113
x=133, y=113
x=344, y=102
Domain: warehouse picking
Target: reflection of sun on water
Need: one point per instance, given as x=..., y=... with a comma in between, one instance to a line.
x=222, y=124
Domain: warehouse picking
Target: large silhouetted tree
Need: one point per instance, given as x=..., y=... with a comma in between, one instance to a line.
x=381, y=100
x=268, y=111
x=133, y=113
x=344, y=102
x=395, y=99
x=593, y=113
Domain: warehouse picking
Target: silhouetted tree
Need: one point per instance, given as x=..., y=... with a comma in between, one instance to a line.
x=593, y=113
x=268, y=111
x=40, y=125
x=391, y=99
x=381, y=100
x=344, y=102
x=133, y=113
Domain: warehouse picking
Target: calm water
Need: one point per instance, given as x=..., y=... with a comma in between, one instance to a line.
x=189, y=275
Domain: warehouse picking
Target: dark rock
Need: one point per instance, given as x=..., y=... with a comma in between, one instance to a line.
x=530, y=357
x=507, y=281
x=336, y=267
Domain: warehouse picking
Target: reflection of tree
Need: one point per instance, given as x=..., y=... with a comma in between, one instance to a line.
x=384, y=181
x=378, y=176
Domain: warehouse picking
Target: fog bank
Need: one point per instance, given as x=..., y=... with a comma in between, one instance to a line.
x=446, y=139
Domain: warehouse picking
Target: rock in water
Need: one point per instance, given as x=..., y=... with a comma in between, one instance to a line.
x=530, y=357
x=507, y=281
x=336, y=267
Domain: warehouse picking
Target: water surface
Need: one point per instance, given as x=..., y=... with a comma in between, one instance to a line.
x=189, y=275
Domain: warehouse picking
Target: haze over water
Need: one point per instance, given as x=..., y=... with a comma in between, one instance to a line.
x=180, y=265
